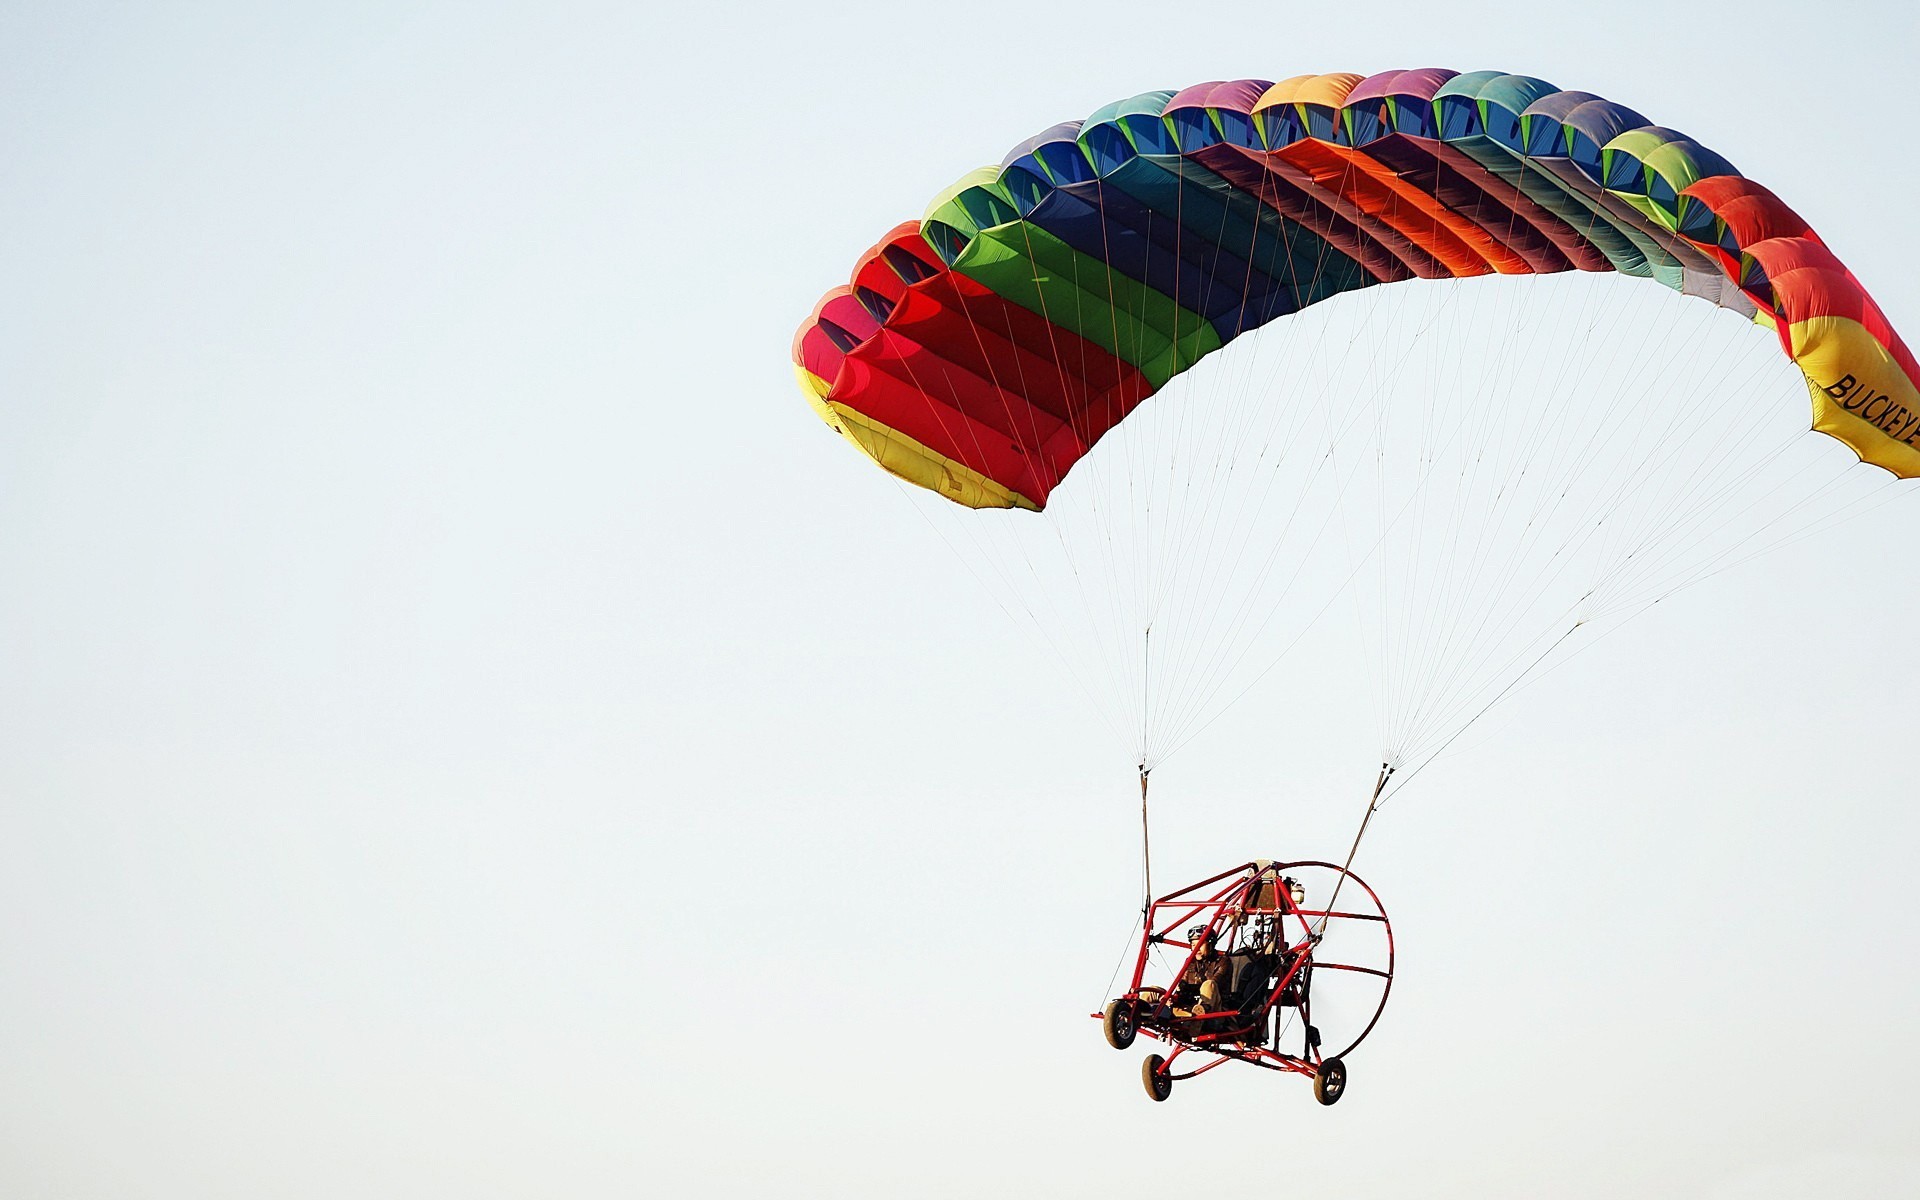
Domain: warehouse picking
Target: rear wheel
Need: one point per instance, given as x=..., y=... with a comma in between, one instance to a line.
x=1330, y=1081
x=1119, y=1024
x=1154, y=1075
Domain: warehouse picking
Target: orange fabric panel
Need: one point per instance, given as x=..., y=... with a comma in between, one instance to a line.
x=1420, y=219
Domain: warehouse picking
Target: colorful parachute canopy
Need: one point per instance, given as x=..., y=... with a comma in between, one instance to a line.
x=982, y=350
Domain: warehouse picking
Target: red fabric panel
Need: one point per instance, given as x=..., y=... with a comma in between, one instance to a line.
x=928, y=369
x=812, y=348
x=1750, y=210
x=874, y=272
x=849, y=314
x=1053, y=368
x=1780, y=255
x=880, y=381
x=973, y=377
x=919, y=391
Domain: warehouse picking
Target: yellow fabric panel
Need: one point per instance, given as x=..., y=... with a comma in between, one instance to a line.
x=1328, y=90
x=1281, y=92
x=1860, y=394
x=907, y=458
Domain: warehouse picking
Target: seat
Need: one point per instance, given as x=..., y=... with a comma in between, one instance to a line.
x=1252, y=979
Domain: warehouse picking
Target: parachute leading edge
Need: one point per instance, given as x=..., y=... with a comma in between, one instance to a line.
x=982, y=351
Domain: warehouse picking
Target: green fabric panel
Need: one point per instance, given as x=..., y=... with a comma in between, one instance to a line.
x=1645, y=206
x=1679, y=167
x=1028, y=266
x=988, y=177
x=972, y=209
x=1637, y=142
x=1661, y=264
x=1467, y=85
x=1514, y=92
x=1147, y=103
x=1675, y=164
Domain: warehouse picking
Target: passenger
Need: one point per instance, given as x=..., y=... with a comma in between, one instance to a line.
x=1202, y=987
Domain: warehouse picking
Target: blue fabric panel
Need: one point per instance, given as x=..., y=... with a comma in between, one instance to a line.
x=1412, y=116
x=1150, y=134
x=1215, y=249
x=1214, y=210
x=1065, y=161
x=1066, y=131
x=1237, y=128
x=1107, y=225
x=1368, y=120
x=1106, y=146
x=1192, y=128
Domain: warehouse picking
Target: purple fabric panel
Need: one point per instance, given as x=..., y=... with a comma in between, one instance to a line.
x=1603, y=120
x=1374, y=86
x=1557, y=106
x=1420, y=83
x=1191, y=97
x=1065, y=131
x=1238, y=95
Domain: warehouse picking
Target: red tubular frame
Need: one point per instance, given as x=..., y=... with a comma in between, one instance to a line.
x=1227, y=1040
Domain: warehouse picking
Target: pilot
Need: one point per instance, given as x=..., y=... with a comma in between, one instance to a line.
x=1202, y=986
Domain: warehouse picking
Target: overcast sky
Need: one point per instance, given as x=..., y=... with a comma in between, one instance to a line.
x=467, y=729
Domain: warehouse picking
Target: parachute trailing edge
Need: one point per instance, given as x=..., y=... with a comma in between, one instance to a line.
x=981, y=351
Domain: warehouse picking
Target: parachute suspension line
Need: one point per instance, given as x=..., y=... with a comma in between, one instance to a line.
x=1572, y=629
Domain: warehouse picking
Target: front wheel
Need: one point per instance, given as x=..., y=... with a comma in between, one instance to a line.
x=1154, y=1074
x=1119, y=1024
x=1330, y=1081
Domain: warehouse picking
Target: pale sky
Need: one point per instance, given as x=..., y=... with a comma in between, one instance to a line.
x=468, y=730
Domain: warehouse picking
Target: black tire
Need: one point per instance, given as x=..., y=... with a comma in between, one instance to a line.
x=1330, y=1081
x=1153, y=1074
x=1120, y=1024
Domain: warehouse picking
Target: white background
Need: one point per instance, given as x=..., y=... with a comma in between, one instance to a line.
x=466, y=729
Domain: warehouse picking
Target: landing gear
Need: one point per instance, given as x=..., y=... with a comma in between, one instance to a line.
x=1157, y=1079
x=1119, y=1024
x=1330, y=1081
